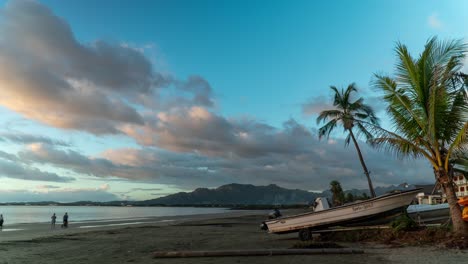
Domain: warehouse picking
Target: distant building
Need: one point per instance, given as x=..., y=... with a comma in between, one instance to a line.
x=429, y=194
x=429, y=198
x=462, y=185
x=433, y=194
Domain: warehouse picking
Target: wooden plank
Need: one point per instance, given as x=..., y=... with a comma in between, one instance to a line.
x=342, y=229
x=257, y=252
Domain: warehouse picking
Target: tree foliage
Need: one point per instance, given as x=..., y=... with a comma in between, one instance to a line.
x=338, y=194
x=428, y=106
x=351, y=115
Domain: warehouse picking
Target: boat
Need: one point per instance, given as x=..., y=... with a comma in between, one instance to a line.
x=429, y=213
x=378, y=210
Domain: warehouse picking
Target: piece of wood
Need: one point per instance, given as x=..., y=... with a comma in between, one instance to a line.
x=257, y=252
x=341, y=229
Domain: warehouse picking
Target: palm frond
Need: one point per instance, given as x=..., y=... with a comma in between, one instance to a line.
x=395, y=144
x=399, y=102
x=460, y=140
x=362, y=131
x=328, y=114
x=338, y=99
x=327, y=128
x=347, y=139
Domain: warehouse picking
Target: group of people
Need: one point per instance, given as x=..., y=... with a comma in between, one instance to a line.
x=54, y=219
x=52, y=222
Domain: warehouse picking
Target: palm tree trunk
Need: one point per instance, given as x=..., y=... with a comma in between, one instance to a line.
x=460, y=227
x=371, y=188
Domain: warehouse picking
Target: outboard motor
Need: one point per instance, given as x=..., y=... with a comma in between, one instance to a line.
x=275, y=214
x=321, y=203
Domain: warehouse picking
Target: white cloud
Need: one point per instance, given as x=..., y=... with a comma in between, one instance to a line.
x=57, y=195
x=434, y=21
x=316, y=105
x=47, y=75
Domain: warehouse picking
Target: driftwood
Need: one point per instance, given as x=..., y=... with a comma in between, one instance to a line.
x=259, y=252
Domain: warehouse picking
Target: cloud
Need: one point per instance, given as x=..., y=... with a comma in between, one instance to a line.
x=57, y=195
x=316, y=105
x=197, y=130
x=47, y=187
x=312, y=169
x=17, y=171
x=48, y=76
x=147, y=189
x=72, y=160
x=434, y=21
x=22, y=138
x=318, y=163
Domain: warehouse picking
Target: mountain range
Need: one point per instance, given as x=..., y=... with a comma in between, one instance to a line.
x=247, y=194
x=236, y=195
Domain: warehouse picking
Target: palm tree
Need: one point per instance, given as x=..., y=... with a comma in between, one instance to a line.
x=338, y=194
x=429, y=109
x=350, y=115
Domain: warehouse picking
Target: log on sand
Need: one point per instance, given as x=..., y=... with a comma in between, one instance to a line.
x=259, y=252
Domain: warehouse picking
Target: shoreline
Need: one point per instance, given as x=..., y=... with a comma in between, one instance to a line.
x=25, y=231
x=42, y=214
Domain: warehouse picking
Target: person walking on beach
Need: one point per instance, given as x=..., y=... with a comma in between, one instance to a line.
x=1, y=221
x=65, y=220
x=52, y=222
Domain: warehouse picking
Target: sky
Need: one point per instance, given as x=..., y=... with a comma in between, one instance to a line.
x=108, y=100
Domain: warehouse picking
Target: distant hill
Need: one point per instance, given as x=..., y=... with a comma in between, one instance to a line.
x=383, y=190
x=237, y=194
x=247, y=194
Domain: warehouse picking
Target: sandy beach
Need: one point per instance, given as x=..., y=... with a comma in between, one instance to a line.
x=134, y=242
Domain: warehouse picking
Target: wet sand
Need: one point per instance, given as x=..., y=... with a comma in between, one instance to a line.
x=114, y=242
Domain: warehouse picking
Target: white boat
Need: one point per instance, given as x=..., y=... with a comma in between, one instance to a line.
x=377, y=210
x=429, y=214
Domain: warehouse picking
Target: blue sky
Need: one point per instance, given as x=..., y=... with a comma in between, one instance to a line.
x=215, y=92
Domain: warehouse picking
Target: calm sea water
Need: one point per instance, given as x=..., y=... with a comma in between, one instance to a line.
x=37, y=214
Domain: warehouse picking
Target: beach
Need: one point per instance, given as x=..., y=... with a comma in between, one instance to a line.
x=135, y=241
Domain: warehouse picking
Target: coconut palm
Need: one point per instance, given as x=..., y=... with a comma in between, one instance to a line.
x=351, y=115
x=428, y=107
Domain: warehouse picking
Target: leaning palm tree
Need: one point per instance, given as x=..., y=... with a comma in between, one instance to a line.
x=429, y=109
x=351, y=115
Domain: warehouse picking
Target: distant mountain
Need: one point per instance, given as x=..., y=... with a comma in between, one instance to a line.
x=237, y=194
x=234, y=195
x=247, y=194
x=383, y=190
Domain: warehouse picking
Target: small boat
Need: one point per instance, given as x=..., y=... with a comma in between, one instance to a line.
x=429, y=214
x=378, y=210
x=464, y=202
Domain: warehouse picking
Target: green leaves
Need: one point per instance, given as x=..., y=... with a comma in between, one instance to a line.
x=349, y=114
x=427, y=102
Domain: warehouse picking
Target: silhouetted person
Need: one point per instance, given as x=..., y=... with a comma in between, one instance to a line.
x=52, y=222
x=65, y=220
x=1, y=221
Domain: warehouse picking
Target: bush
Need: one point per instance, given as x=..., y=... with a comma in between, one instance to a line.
x=403, y=223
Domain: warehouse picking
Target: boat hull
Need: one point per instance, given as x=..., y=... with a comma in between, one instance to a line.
x=377, y=210
x=430, y=214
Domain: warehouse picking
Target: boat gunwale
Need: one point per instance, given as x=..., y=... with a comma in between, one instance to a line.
x=382, y=197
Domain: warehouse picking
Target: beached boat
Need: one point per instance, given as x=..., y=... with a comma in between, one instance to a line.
x=429, y=214
x=377, y=210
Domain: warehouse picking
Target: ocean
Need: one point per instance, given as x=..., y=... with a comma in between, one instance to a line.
x=40, y=214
